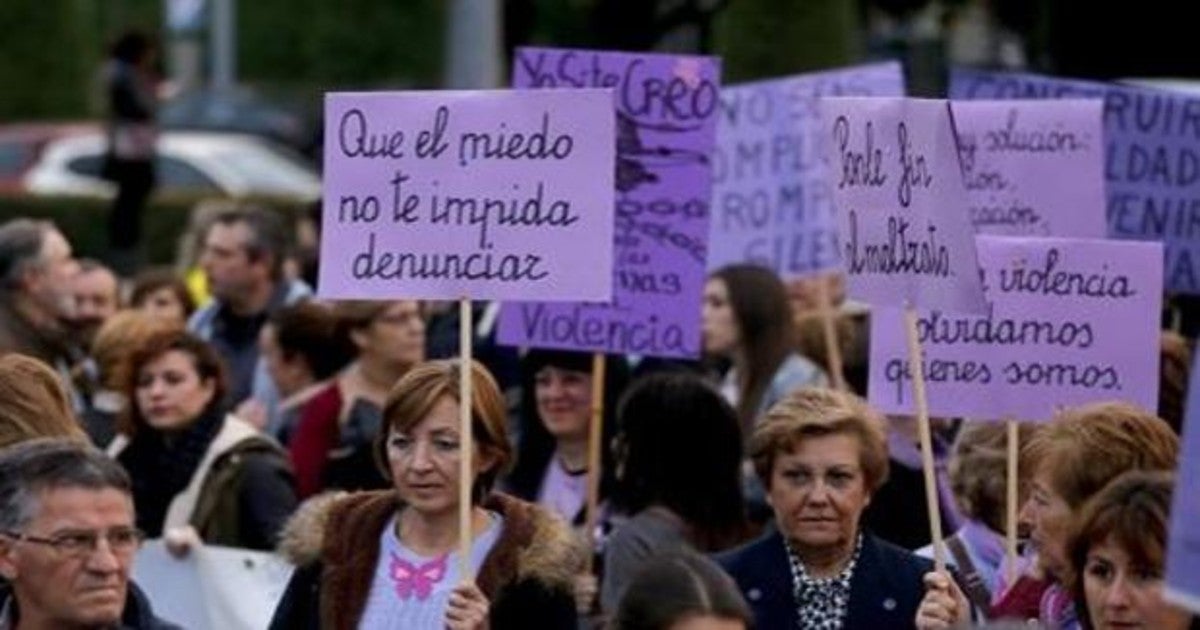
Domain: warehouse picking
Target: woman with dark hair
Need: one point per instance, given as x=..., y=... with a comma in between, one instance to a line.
x=331, y=443
x=556, y=409
x=198, y=474
x=1118, y=555
x=748, y=321
x=679, y=453
x=682, y=591
x=389, y=558
x=162, y=293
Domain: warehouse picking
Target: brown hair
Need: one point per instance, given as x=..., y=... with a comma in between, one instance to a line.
x=766, y=332
x=204, y=358
x=1083, y=448
x=152, y=280
x=117, y=337
x=1133, y=512
x=814, y=412
x=414, y=397
x=33, y=402
x=1175, y=363
x=978, y=468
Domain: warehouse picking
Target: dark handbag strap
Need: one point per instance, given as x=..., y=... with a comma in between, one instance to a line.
x=972, y=582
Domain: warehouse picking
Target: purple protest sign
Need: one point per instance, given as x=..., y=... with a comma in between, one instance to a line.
x=1183, y=545
x=1152, y=161
x=1072, y=321
x=772, y=198
x=666, y=125
x=901, y=204
x=1033, y=168
x=467, y=194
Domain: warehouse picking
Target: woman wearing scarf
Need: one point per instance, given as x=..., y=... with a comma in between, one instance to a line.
x=821, y=454
x=196, y=471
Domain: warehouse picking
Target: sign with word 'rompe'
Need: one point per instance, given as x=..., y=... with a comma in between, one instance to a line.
x=479, y=194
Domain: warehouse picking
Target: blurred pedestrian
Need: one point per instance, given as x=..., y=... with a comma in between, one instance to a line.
x=132, y=133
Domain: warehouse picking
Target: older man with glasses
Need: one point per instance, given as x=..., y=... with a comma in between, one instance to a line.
x=67, y=541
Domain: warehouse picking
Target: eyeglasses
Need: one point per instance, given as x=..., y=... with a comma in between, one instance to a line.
x=122, y=541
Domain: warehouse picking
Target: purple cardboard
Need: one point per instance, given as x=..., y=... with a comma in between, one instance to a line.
x=1183, y=545
x=772, y=198
x=1033, y=168
x=1072, y=322
x=467, y=194
x=1152, y=159
x=901, y=203
x=666, y=108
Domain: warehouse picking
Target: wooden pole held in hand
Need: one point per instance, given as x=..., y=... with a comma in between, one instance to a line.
x=923, y=428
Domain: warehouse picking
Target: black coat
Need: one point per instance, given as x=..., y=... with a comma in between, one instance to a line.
x=885, y=591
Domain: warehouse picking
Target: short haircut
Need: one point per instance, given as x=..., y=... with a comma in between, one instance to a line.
x=33, y=402
x=268, y=234
x=416, y=394
x=310, y=330
x=673, y=587
x=151, y=281
x=21, y=242
x=815, y=412
x=34, y=466
x=1132, y=512
x=978, y=467
x=1083, y=448
x=204, y=357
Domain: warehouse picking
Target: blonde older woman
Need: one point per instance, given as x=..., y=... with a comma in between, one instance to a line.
x=821, y=454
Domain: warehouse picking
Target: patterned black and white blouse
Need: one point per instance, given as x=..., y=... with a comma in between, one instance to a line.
x=821, y=603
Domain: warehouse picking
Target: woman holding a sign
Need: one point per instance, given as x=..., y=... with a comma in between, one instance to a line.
x=389, y=559
x=821, y=454
x=747, y=320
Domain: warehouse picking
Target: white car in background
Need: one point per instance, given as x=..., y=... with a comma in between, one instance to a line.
x=188, y=162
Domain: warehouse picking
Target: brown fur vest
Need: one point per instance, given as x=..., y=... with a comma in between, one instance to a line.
x=342, y=532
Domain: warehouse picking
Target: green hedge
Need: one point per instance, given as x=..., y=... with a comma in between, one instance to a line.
x=82, y=221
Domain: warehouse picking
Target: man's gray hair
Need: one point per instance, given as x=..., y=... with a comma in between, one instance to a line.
x=29, y=468
x=21, y=242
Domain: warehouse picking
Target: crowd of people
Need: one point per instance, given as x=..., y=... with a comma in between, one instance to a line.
x=744, y=489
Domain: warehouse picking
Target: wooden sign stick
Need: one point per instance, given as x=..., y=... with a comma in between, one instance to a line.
x=467, y=448
x=595, y=446
x=923, y=428
x=833, y=352
x=1011, y=522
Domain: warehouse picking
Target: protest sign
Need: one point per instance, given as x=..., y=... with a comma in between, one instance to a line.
x=1072, y=322
x=212, y=588
x=1183, y=545
x=666, y=109
x=772, y=198
x=1033, y=168
x=1152, y=159
x=898, y=189
x=481, y=194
